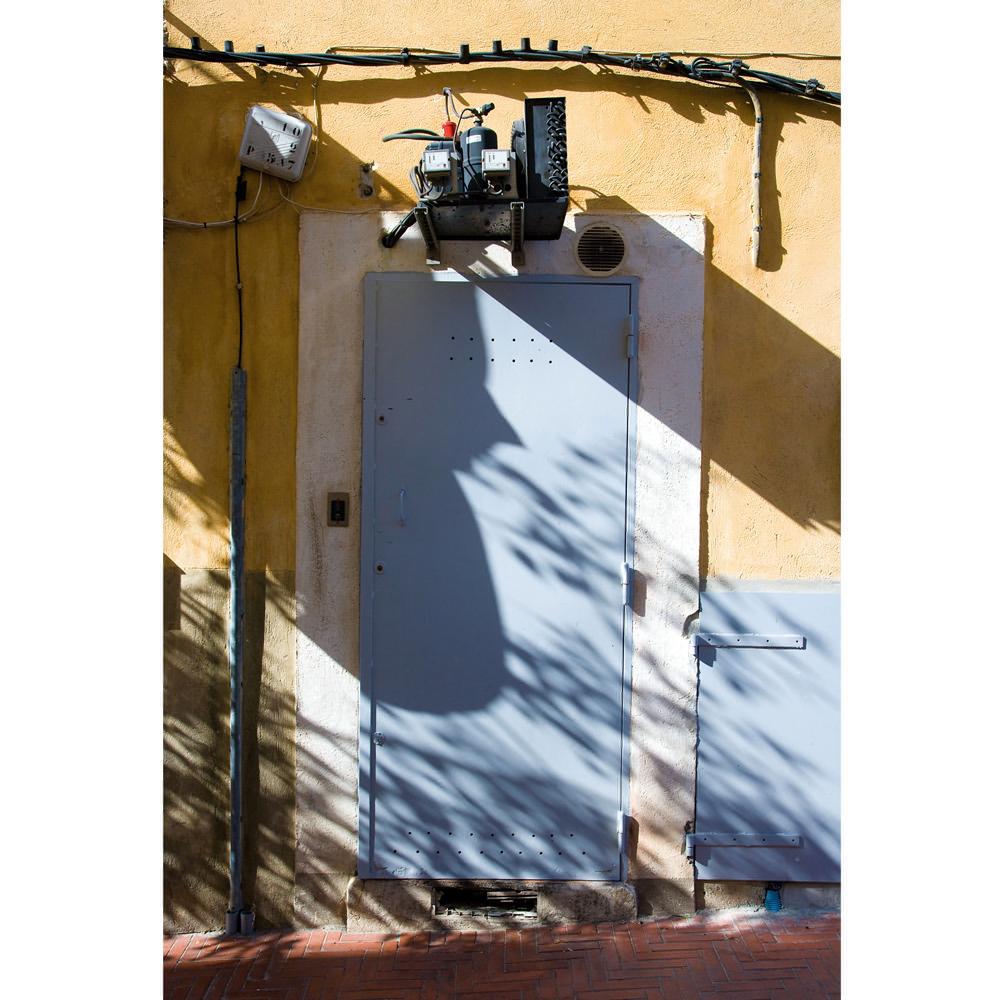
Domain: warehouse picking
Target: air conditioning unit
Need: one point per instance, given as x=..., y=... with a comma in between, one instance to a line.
x=469, y=188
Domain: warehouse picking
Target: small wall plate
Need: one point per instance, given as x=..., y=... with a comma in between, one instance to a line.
x=275, y=143
x=338, y=510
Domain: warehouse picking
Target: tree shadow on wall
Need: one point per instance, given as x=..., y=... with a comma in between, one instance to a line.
x=782, y=444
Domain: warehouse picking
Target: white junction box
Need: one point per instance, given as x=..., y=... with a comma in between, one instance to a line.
x=436, y=162
x=500, y=172
x=275, y=143
x=496, y=162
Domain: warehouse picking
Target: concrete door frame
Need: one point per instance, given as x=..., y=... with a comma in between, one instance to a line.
x=666, y=253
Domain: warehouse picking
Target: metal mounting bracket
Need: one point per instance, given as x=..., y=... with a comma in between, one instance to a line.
x=693, y=840
x=427, y=231
x=517, y=233
x=749, y=641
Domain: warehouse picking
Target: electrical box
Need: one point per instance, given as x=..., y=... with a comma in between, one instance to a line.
x=496, y=162
x=437, y=161
x=275, y=143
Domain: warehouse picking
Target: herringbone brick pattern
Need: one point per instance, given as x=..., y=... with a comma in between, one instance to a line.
x=733, y=954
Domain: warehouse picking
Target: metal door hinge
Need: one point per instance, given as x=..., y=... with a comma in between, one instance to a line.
x=693, y=840
x=626, y=584
x=631, y=339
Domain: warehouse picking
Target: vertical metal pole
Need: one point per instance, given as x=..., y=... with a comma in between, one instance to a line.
x=239, y=917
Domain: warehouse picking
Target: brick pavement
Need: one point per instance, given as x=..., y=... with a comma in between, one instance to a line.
x=727, y=954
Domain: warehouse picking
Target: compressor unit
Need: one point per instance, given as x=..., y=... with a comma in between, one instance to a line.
x=468, y=188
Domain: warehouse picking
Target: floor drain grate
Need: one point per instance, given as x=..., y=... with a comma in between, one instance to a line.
x=461, y=901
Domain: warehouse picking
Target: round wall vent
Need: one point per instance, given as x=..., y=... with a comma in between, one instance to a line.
x=600, y=249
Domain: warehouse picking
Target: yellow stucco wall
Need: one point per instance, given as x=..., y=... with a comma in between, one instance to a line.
x=637, y=142
x=771, y=335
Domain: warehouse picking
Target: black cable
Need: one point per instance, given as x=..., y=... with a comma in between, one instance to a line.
x=662, y=63
x=391, y=238
x=241, y=187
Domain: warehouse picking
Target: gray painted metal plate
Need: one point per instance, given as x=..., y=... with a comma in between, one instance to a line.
x=751, y=641
x=497, y=470
x=769, y=736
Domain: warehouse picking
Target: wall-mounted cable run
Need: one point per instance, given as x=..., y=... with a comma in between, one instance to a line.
x=758, y=133
x=241, y=190
x=701, y=69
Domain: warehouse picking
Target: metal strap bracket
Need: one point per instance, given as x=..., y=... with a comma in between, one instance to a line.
x=517, y=233
x=693, y=840
x=427, y=231
x=749, y=641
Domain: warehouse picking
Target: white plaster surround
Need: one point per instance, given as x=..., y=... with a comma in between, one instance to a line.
x=666, y=253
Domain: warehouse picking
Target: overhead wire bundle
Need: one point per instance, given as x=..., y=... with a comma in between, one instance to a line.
x=701, y=69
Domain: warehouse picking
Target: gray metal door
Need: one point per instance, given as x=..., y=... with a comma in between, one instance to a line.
x=768, y=803
x=495, y=644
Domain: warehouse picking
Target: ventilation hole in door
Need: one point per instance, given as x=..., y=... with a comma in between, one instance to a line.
x=600, y=249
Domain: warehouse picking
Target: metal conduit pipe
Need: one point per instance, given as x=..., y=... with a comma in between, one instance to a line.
x=239, y=917
x=758, y=130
